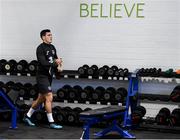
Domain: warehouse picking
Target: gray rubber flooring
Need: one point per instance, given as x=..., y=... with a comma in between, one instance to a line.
x=70, y=132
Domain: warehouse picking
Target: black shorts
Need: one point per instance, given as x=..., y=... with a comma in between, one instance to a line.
x=44, y=83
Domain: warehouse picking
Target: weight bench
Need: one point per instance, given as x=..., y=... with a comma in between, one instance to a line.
x=94, y=116
x=6, y=103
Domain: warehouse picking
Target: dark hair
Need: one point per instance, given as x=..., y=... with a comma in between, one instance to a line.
x=43, y=32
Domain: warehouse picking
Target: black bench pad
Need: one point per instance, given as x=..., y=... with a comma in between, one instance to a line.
x=103, y=111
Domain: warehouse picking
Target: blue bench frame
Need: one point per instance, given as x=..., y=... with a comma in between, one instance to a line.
x=127, y=122
x=12, y=107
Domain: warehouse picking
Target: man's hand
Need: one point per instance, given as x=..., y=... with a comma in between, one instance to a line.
x=58, y=61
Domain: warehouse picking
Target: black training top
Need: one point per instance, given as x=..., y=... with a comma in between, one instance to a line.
x=46, y=53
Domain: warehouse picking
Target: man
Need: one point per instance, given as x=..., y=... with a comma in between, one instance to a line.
x=47, y=63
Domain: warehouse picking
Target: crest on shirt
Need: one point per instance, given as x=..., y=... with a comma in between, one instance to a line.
x=53, y=52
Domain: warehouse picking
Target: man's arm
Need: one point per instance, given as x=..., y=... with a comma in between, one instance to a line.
x=58, y=61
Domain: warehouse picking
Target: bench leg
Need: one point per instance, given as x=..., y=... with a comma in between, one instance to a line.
x=115, y=127
x=14, y=119
x=85, y=134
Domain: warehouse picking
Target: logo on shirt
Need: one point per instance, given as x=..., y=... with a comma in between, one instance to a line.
x=47, y=52
x=53, y=52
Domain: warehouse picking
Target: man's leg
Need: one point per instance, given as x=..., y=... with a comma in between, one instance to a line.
x=48, y=107
x=48, y=102
x=38, y=101
x=34, y=106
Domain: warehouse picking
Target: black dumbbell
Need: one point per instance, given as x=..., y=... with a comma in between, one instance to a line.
x=137, y=115
x=122, y=72
x=55, y=111
x=98, y=94
x=163, y=116
x=86, y=94
x=39, y=116
x=10, y=66
x=152, y=71
x=158, y=72
x=32, y=67
x=111, y=71
x=175, y=94
x=21, y=88
x=175, y=117
x=33, y=91
x=8, y=86
x=141, y=109
x=92, y=71
x=78, y=89
x=59, y=115
x=78, y=110
x=126, y=72
x=68, y=118
x=109, y=94
x=155, y=72
x=117, y=73
x=143, y=72
x=62, y=93
x=72, y=95
x=2, y=63
x=83, y=70
x=103, y=70
x=21, y=66
x=136, y=118
x=140, y=72
x=121, y=94
x=73, y=116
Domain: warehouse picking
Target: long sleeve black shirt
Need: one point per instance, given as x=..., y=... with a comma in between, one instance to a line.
x=46, y=53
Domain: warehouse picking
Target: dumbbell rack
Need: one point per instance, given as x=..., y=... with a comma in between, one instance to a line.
x=155, y=126
x=70, y=74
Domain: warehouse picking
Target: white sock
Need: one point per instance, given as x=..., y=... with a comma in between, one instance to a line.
x=50, y=117
x=30, y=112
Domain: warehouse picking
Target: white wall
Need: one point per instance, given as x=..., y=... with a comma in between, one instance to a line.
x=153, y=41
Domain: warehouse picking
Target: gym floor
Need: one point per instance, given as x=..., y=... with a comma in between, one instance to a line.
x=71, y=132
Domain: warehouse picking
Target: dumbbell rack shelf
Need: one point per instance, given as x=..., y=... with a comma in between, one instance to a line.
x=160, y=102
x=75, y=104
x=88, y=102
x=71, y=74
x=162, y=75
